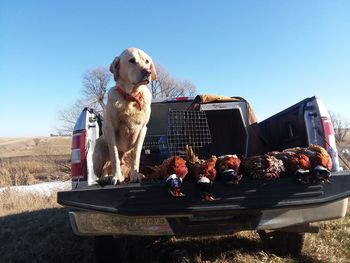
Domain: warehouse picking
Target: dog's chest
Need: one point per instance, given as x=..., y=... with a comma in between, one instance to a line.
x=130, y=124
x=134, y=117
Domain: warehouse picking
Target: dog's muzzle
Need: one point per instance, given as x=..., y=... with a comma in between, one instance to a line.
x=144, y=77
x=146, y=73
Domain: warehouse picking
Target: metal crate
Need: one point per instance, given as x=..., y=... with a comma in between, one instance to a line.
x=187, y=128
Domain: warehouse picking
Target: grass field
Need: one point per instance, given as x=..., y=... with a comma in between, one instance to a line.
x=38, y=146
x=26, y=161
x=36, y=229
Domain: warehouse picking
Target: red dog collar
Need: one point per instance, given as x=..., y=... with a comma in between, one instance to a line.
x=130, y=97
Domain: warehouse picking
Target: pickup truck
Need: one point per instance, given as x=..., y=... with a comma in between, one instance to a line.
x=281, y=210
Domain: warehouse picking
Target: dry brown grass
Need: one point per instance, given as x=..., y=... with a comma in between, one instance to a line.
x=36, y=229
x=30, y=170
x=38, y=146
x=26, y=161
x=14, y=202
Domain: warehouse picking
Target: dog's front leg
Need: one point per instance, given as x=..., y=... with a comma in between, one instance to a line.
x=114, y=156
x=115, y=163
x=135, y=175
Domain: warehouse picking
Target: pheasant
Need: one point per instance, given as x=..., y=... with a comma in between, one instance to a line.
x=310, y=165
x=265, y=167
x=228, y=168
x=173, y=170
x=321, y=164
x=203, y=171
x=293, y=161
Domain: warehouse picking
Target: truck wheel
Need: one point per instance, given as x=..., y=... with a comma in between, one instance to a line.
x=282, y=243
x=107, y=249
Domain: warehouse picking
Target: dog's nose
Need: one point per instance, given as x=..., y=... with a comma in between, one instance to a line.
x=146, y=72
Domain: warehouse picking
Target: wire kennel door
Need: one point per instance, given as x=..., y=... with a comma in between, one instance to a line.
x=187, y=128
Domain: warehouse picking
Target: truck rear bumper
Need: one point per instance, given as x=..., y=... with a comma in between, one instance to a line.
x=296, y=219
x=148, y=209
x=281, y=218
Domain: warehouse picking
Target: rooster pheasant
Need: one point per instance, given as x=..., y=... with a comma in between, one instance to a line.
x=228, y=168
x=173, y=170
x=203, y=171
x=310, y=165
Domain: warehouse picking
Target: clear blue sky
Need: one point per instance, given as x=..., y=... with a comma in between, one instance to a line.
x=273, y=53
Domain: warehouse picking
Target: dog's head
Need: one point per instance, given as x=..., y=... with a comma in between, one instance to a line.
x=134, y=67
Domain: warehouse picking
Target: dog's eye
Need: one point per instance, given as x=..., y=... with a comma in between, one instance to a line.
x=132, y=60
x=147, y=61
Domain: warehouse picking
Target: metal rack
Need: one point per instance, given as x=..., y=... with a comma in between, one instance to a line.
x=187, y=128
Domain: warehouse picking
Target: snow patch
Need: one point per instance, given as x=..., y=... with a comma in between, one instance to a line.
x=42, y=189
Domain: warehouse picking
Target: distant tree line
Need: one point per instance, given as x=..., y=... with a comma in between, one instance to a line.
x=60, y=134
x=341, y=127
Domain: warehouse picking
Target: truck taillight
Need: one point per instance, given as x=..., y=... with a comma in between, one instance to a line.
x=78, y=156
x=182, y=98
x=331, y=146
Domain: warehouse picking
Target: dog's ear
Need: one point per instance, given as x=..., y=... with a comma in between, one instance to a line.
x=114, y=68
x=153, y=72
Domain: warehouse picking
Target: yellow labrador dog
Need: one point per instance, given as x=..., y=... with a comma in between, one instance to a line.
x=126, y=115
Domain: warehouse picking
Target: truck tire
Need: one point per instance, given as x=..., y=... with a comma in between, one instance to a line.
x=282, y=243
x=107, y=249
x=122, y=249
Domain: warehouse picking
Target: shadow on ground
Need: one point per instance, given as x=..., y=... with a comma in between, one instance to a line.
x=46, y=236
x=42, y=236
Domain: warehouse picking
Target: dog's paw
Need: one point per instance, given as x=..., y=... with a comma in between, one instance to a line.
x=136, y=177
x=118, y=180
x=105, y=180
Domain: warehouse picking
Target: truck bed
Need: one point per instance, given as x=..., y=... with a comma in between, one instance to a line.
x=152, y=199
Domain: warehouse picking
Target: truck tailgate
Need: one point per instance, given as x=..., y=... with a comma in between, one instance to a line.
x=147, y=199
